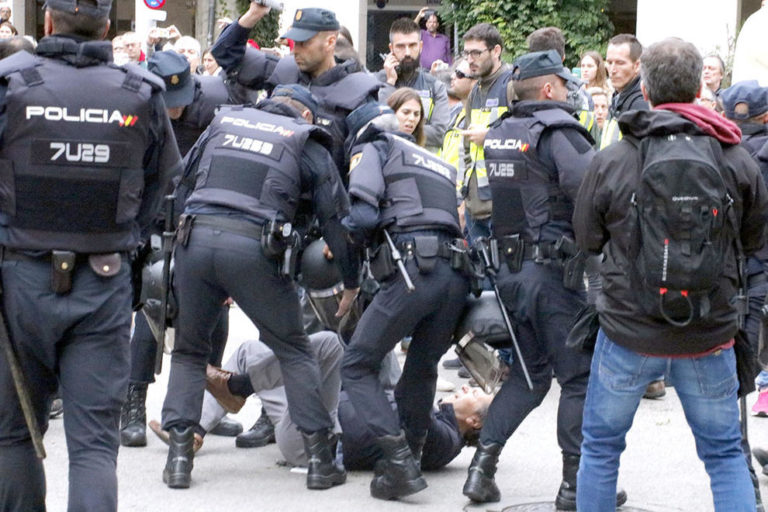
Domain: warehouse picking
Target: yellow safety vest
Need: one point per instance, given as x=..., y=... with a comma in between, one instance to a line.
x=611, y=133
x=483, y=115
x=452, y=151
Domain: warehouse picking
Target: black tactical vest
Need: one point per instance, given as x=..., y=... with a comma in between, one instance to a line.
x=210, y=92
x=251, y=163
x=420, y=188
x=526, y=194
x=339, y=91
x=73, y=150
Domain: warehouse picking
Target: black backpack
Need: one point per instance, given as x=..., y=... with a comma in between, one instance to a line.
x=684, y=227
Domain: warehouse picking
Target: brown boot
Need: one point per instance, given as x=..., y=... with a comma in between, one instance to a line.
x=655, y=389
x=216, y=383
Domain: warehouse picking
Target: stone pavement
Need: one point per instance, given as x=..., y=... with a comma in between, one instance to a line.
x=660, y=470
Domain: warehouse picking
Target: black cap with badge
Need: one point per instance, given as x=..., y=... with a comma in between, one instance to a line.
x=543, y=63
x=308, y=22
x=94, y=9
x=173, y=68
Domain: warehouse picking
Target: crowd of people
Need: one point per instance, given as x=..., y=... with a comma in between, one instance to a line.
x=632, y=196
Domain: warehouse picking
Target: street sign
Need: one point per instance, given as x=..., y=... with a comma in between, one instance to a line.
x=154, y=4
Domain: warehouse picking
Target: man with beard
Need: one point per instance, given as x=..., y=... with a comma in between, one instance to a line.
x=401, y=69
x=486, y=103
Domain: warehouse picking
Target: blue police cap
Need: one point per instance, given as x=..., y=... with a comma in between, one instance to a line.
x=100, y=10
x=543, y=63
x=364, y=114
x=298, y=93
x=173, y=68
x=308, y=22
x=747, y=93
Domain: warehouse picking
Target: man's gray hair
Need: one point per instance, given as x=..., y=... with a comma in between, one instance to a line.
x=671, y=71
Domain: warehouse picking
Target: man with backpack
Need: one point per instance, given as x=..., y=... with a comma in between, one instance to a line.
x=674, y=207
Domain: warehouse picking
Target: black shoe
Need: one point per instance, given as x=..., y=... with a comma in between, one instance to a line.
x=566, y=495
x=322, y=470
x=133, y=417
x=260, y=434
x=178, y=468
x=227, y=427
x=480, y=486
x=396, y=474
x=452, y=364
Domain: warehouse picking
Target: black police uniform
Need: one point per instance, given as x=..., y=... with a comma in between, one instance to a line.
x=87, y=151
x=252, y=166
x=397, y=185
x=210, y=92
x=339, y=90
x=536, y=157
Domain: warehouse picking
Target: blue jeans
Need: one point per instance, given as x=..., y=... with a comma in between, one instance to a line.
x=707, y=390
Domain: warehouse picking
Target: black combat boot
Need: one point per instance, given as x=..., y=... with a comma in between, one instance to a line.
x=480, y=486
x=322, y=470
x=566, y=495
x=178, y=468
x=133, y=417
x=416, y=444
x=396, y=474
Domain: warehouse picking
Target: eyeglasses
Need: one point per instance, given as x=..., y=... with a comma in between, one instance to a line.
x=458, y=74
x=474, y=53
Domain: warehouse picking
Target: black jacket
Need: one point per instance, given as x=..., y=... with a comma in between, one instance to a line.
x=603, y=222
x=631, y=98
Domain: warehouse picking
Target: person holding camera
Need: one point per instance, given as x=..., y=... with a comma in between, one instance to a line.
x=251, y=169
x=401, y=69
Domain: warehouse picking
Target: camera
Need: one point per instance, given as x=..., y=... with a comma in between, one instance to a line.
x=381, y=3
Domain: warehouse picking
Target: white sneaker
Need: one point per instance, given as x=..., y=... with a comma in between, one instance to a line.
x=445, y=385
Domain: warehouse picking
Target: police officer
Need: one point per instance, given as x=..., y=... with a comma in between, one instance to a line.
x=536, y=157
x=191, y=99
x=88, y=152
x=400, y=187
x=339, y=87
x=253, y=167
x=401, y=69
x=191, y=103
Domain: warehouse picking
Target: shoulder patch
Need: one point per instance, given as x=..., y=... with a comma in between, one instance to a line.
x=354, y=161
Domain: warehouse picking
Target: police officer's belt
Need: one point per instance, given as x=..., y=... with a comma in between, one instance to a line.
x=230, y=225
x=537, y=252
x=443, y=249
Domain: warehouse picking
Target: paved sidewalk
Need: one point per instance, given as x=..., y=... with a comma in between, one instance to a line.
x=660, y=470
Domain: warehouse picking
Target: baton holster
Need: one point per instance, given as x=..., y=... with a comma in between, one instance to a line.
x=513, y=249
x=62, y=266
x=382, y=265
x=184, y=229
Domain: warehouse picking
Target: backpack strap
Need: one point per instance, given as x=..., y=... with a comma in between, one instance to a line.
x=742, y=299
